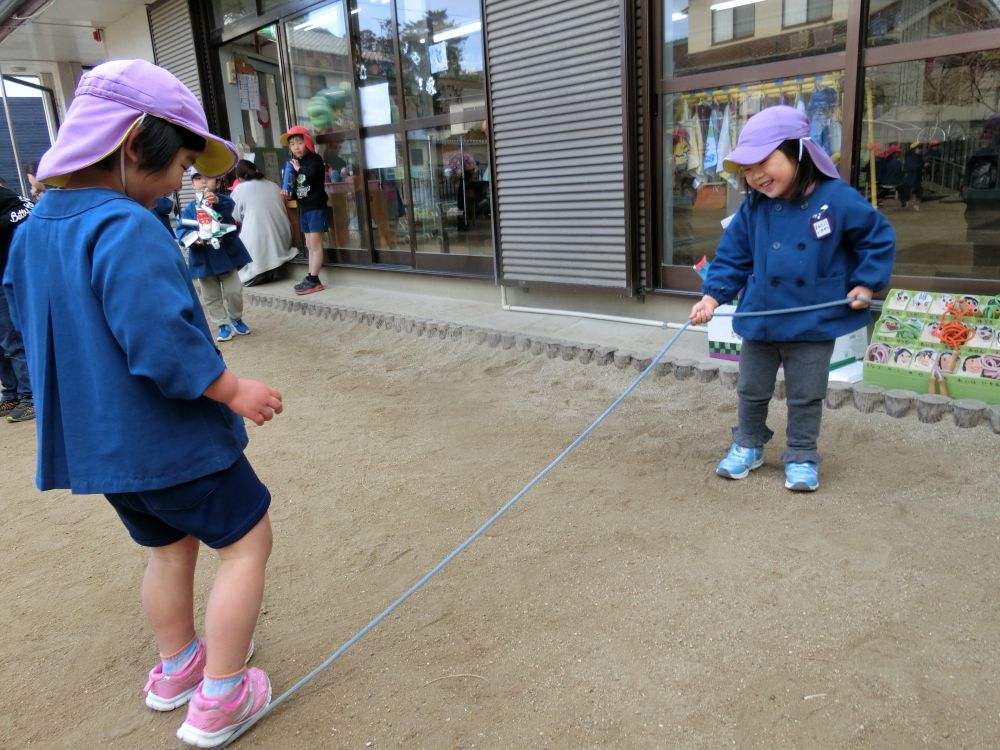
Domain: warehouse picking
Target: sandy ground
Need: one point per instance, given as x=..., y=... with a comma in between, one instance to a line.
x=631, y=600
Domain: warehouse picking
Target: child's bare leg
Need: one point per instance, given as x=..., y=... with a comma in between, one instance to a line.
x=314, y=245
x=168, y=594
x=234, y=603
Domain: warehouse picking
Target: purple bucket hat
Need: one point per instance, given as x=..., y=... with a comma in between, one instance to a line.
x=766, y=130
x=110, y=100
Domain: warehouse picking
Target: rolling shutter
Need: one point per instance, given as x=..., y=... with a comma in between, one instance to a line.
x=557, y=98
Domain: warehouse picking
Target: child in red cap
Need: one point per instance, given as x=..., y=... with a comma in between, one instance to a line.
x=307, y=188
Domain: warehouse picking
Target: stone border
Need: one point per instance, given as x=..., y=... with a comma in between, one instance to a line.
x=927, y=407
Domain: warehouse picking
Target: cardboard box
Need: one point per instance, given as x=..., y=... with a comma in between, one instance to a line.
x=907, y=353
x=724, y=343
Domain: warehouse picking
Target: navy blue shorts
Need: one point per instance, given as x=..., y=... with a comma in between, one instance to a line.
x=312, y=220
x=218, y=509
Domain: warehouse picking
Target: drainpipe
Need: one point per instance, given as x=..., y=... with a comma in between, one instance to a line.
x=592, y=316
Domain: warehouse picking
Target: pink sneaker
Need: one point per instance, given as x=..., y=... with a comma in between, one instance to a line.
x=210, y=722
x=165, y=692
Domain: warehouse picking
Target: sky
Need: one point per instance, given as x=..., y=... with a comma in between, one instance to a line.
x=14, y=89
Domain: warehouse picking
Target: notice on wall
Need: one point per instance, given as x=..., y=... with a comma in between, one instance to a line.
x=249, y=90
x=375, y=104
x=380, y=151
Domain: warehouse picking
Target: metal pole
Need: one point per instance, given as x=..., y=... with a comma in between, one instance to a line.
x=10, y=129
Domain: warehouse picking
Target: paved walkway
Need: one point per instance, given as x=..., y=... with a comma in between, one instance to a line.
x=458, y=308
x=479, y=305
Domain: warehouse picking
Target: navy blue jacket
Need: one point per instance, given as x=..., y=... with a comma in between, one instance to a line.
x=769, y=251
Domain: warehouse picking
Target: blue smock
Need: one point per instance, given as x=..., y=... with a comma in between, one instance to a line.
x=118, y=349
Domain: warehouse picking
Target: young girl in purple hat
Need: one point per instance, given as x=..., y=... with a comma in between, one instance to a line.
x=133, y=399
x=801, y=236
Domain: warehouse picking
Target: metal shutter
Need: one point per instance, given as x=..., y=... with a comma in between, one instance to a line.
x=173, y=42
x=173, y=49
x=557, y=99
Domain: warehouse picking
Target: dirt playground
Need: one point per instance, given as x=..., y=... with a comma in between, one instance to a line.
x=631, y=600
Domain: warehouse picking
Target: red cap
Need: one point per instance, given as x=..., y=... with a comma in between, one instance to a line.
x=299, y=130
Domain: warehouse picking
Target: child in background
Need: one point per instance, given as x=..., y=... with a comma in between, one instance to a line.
x=801, y=236
x=110, y=317
x=17, y=403
x=162, y=208
x=217, y=268
x=309, y=190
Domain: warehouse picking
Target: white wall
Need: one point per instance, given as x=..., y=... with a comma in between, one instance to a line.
x=129, y=37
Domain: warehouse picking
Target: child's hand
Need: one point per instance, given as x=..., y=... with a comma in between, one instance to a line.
x=703, y=309
x=209, y=198
x=860, y=291
x=255, y=400
x=286, y=195
x=295, y=164
x=248, y=398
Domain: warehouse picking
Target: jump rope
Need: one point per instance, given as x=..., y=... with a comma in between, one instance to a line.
x=510, y=503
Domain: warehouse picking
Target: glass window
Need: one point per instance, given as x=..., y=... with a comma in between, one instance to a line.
x=226, y=12
x=442, y=51
x=891, y=23
x=705, y=35
x=386, y=199
x=450, y=172
x=375, y=56
x=253, y=91
x=343, y=188
x=798, y=12
x=930, y=153
x=701, y=129
x=732, y=23
x=319, y=50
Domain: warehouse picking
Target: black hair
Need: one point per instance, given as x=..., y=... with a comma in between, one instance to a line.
x=247, y=170
x=31, y=168
x=805, y=174
x=157, y=143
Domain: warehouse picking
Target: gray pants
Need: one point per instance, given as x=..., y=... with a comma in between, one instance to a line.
x=222, y=293
x=807, y=373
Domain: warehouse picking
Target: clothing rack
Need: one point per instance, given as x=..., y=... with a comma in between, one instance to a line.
x=773, y=89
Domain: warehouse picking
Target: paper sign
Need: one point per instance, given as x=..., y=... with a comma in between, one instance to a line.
x=375, y=104
x=438, y=54
x=380, y=151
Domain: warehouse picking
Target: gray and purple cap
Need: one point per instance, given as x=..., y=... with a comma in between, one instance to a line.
x=110, y=100
x=767, y=130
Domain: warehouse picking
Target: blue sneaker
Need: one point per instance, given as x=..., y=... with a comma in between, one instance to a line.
x=225, y=333
x=801, y=477
x=241, y=328
x=740, y=461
